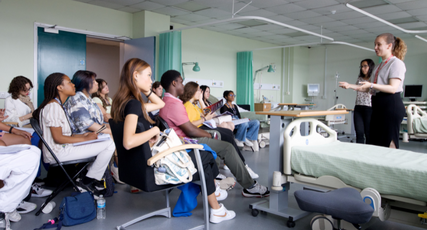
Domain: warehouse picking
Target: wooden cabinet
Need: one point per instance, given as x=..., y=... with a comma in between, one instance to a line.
x=262, y=106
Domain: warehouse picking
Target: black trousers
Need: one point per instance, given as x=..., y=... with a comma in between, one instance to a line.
x=209, y=167
x=227, y=136
x=362, y=122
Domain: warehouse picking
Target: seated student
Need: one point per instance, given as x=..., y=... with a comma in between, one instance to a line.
x=206, y=92
x=129, y=108
x=175, y=115
x=158, y=90
x=57, y=131
x=192, y=95
x=101, y=98
x=84, y=112
x=247, y=133
x=17, y=173
x=18, y=105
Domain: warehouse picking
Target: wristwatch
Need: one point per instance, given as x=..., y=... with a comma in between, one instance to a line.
x=372, y=86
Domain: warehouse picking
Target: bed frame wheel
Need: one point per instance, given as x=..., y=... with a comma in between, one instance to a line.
x=323, y=222
x=290, y=223
x=262, y=144
x=255, y=212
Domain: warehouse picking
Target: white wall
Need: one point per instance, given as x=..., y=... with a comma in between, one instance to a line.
x=17, y=20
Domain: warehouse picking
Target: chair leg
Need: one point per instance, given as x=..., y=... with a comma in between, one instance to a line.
x=204, y=190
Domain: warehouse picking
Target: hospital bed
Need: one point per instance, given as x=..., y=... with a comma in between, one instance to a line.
x=380, y=174
x=335, y=118
x=416, y=122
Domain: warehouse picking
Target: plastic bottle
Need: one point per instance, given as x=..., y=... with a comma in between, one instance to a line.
x=101, y=208
x=2, y=221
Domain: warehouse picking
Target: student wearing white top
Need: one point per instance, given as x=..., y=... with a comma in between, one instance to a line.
x=102, y=99
x=18, y=105
x=57, y=131
x=387, y=106
x=362, y=108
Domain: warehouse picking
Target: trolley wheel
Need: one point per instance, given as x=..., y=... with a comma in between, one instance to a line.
x=262, y=144
x=290, y=224
x=255, y=212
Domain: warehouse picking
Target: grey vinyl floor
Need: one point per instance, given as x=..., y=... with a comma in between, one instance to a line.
x=124, y=206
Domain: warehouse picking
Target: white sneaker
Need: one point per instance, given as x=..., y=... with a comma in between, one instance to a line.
x=255, y=146
x=226, y=168
x=257, y=190
x=239, y=143
x=227, y=184
x=25, y=207
x=248, y=143
x=115, y=174
x=252, y=173
x=221, y=214
x=219, y=193
x=220, y=176
x=37, y=191
x=13, y=216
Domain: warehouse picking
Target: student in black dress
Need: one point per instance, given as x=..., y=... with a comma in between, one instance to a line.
x=128, y=107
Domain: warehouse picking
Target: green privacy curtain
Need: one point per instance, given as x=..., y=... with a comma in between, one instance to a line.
x=245, y=84
x=169, y=52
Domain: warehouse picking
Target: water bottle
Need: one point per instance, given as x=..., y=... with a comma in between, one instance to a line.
x=2, y=221
x=101, y=209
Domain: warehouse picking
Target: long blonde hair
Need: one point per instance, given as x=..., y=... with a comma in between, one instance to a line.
x=398, y=48
x=128, y=90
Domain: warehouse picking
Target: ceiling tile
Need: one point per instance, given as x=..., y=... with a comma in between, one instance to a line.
x=169, y=2
x=180, y=21
x=287, y=8
x=343, y=28
x=214, y=13
x=191, y=6
x=192, y=17
x=270, y=3
x=413, y=5
x=413, y=25
x=302, y=14
x=148, y=6
x=310, y=4
x=346, y=15
x=130, y=9
x=228, y=26
x=417, y=12
x=258, y=12
x=317, y=20
x=261, y=33
x=296, y=23
x=370, y=25
x=110, y=5
x=282, y=31
x=268, y=27
x=215, y=3
x=237, y=6
x=395, y=15
x=315, y=29
x=354, y=21
x=340, y=8
x=399, y=1
x=124, y=2
x=247, y=30
x=329, y=25
x=170, y=11
x=382, y=9
x=281, y=18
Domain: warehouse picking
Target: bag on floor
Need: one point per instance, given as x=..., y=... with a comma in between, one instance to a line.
x=77, y=209
x=108, y=183
x=175, y=168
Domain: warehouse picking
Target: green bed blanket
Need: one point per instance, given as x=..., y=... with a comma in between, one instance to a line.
x=389, y=171
x=419, y=125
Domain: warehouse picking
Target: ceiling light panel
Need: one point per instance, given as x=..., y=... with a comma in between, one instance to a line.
x=368, y=3
x=148, y=6
x=412, y=5
x=191, y=6
x=285, y=9
x=309, y=4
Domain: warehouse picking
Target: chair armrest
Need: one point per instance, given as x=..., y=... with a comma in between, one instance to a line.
x=10, y=123
x=160, y=155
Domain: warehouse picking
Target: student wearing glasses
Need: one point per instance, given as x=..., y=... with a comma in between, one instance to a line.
x=18, y=105
x=363, y=108
x=247, y=133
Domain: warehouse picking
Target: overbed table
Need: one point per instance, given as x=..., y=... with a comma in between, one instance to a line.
x=292, y=106
x=278, y=203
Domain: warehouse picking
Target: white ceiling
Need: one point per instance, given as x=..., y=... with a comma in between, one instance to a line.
x=313, y=15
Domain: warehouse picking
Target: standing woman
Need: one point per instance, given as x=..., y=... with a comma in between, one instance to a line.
x=387, y=106
x=362, y=109
x=247, y=133
x=129, y=108
x=101, y=98
x=19, y=107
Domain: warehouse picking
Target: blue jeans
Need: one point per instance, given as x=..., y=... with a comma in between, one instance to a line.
x=248, y=130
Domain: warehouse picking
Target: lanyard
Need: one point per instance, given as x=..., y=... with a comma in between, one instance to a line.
x=380, y=67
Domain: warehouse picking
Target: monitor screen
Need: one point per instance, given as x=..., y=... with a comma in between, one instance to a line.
x=413, y=91
x=313, y=89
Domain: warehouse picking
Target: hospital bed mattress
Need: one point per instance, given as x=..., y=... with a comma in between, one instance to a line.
x=389, y=171
x=419, y=125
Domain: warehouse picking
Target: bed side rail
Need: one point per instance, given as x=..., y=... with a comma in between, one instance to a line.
x=412, y=112
x=292, y=137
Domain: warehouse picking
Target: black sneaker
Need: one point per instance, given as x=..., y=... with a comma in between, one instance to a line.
x=89, y=187
x=257, y=190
